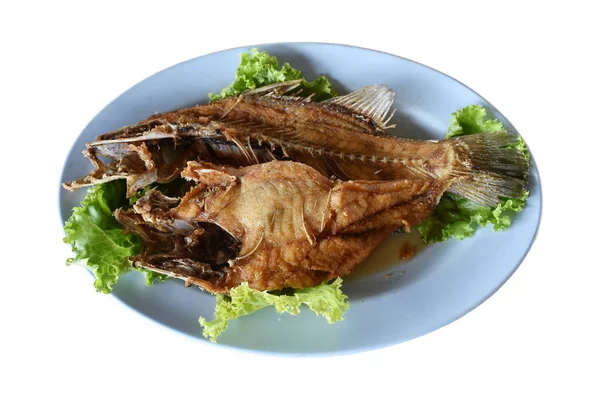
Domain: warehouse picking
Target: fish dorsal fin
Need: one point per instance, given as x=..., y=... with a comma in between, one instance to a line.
x=275, y=88
x=373, y=102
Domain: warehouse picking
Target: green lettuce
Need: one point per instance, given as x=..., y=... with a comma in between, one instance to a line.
x=457, y=217
x=98, y=240
x=472, y=119
x=259, y=69
x=325, y=300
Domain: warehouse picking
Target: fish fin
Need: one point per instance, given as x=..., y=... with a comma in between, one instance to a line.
x=191, y=271
x=275, y=88
x=373, y=102
x=141, y=138
x=355, y=201
x=491, y=167
x=209, y=174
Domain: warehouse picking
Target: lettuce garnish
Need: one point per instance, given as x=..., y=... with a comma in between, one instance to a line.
x=325, y=300
x=259, y=69
x=98, y=240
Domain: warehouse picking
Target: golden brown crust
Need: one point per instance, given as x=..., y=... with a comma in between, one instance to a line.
x=296, y=227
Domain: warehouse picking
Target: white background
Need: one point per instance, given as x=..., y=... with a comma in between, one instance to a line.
x=536, y=337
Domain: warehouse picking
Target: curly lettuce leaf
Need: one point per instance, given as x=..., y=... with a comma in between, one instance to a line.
x=98, y=240
x=152, y=277
x=325, y=300
x=472, y=119
x=457, y=217
x=259, y=69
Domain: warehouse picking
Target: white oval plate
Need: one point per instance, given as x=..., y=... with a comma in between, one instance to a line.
x=398, y=302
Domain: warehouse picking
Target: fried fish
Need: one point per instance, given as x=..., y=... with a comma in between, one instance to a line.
x=344, y=137
x=283, y=192
x=293, y=227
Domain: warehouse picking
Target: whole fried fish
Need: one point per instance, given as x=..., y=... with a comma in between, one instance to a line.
x=342, y=137
x=293, y=227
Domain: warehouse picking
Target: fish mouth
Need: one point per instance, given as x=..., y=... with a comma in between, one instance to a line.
x=201, y=257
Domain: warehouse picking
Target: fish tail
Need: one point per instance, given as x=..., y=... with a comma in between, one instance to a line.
x=490, y=167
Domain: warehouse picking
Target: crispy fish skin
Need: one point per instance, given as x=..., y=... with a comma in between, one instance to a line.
x=344, y=137
x=296, y=228
x=295, y=126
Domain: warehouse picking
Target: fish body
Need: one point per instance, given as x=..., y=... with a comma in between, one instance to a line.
x=295, y=227
x=344, y=137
